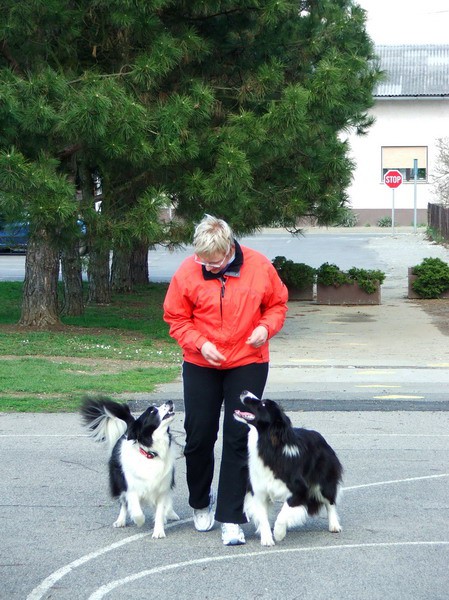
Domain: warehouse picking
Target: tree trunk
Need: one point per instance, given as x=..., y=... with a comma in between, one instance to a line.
x=72, y=282
x=98, y=265
x=98, y=275
x=40, y=291
x=121, y=270
x=139, y=264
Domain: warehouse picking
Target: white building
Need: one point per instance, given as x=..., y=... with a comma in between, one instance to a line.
x=412, y=112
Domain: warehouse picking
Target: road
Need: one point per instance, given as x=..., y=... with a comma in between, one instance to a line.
x=314, y=248
x=58, y=542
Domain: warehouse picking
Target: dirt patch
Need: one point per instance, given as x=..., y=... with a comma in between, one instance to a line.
x=72, y=330
x=98, y=366
x=438, y=310
x=357, y=317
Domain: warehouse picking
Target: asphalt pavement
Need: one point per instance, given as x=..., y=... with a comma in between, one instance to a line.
x=372, y=380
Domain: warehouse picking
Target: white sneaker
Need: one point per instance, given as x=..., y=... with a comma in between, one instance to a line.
x=204, y=518
x=232, y=534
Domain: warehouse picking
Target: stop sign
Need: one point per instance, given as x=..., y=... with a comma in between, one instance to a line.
x=393, y=178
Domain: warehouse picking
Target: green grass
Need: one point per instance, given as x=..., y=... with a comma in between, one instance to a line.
x=123, y=348
x=11, y=298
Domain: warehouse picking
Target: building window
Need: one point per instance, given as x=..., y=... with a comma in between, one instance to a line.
x=402, y=159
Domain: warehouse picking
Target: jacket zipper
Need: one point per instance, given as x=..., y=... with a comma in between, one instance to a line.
x=222, y=293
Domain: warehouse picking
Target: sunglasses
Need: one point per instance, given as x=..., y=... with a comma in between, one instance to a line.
x=211, y=265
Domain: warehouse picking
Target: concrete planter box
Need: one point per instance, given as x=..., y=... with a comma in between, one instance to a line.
x=348, y=293
x=412, y=295
x=305, y=293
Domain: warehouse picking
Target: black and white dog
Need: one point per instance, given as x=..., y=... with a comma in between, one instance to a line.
x=142, y=458
x=292, y=465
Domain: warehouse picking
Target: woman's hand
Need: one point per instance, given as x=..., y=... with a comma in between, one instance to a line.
x=211, y=354
x=258, y=337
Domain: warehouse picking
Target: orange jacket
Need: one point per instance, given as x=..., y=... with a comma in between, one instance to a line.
x=225, y=311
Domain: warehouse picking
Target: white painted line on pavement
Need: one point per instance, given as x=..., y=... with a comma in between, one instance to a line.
x=50, y=581
x=44, y=435
x=364, y=434
x=393, y=481
x=375, y=434
x=307, y=360
x=398, y=397
x=377, y=385
x=38, y=592
x=376, y=372
x=105, y=589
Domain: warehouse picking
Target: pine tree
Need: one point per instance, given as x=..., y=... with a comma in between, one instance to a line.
x=289, y=83
x=230, y=107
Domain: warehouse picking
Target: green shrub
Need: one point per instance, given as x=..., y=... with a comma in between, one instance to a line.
x=346, y=218
x=367, y=279
x=329, y=274
x=432, y=278
x=435, y=235
x=294, y=275
x=384, y=222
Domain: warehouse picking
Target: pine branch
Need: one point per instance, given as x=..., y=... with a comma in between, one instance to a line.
x=121, y=73
x=221, y=14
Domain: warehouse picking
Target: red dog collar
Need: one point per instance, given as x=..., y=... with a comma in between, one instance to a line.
x=148, y=454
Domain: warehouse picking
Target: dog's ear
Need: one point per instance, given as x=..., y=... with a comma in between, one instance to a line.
x=285, y=428
x=134, y=429
x=279, y=430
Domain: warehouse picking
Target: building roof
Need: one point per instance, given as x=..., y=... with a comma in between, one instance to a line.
x=413, y=71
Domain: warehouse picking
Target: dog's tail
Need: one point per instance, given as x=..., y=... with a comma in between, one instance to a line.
x=105, y=419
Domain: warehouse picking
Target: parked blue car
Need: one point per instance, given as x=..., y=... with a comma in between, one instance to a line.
x=13, y=237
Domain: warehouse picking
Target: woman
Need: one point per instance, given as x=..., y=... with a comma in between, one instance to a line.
x=223, y=304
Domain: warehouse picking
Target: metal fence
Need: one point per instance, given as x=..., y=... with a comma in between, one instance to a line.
x=438, y=219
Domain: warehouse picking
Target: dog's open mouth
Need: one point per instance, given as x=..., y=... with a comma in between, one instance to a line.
x=171, y=413
x=247, y=416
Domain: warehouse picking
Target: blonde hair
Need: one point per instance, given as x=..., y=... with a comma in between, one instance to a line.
x=212, y=235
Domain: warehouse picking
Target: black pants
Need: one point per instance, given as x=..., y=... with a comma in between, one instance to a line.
x=205, y=390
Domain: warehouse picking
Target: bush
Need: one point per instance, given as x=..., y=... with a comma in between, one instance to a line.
x=367, y=279
x=346, y=218
x=432, y=278
x=384, y=222
x=294, y=275
x=329, y=274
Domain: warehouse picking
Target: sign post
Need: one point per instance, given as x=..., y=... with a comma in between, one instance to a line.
x=415, y=179
x=393, y=179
